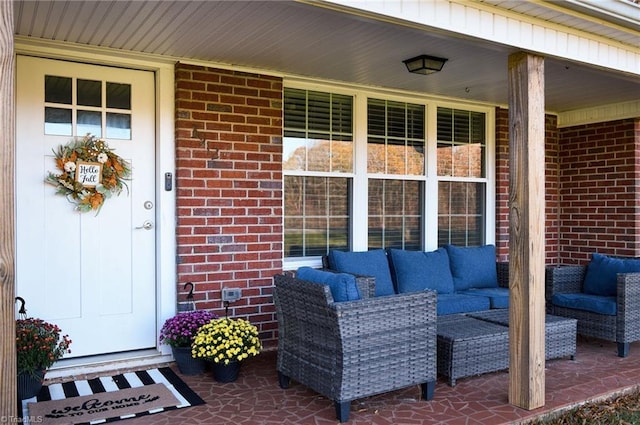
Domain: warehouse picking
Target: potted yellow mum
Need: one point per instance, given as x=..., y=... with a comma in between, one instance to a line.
x=226, y=342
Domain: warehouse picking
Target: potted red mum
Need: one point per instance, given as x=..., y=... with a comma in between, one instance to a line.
x=39, y=344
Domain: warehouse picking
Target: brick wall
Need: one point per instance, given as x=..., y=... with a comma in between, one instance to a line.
x=502, y=187
x=229, y=190
x=599, y=190
x=502, y=184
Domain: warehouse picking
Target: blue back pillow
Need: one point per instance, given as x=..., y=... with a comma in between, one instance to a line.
x=342, y=285
x=417, y=270
x=368, y=263
x=602, y=273
x=473, y=266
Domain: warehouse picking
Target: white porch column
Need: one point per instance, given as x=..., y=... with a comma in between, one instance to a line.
x=527, y=230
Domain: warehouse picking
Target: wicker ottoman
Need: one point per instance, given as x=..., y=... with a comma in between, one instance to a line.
x=468, y=347
x=560, y=332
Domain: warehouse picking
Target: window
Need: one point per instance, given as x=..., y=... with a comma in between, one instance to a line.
x=395, y=214
x=316, y=215
x=317, y=162
x=396, y=151
x=78, y=106
x=461, y=171
x=365, y=171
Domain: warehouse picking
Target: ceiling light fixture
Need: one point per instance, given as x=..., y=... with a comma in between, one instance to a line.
x=424, y=64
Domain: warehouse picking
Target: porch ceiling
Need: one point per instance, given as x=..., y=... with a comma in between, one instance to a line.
x=311, y=41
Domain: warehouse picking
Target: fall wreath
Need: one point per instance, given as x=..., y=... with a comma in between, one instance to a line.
x=90, y=173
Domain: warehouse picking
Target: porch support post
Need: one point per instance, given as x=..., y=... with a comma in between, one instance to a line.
x=527, y=231
x=8, y=396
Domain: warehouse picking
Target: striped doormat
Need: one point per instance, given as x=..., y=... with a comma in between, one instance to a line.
x=109, y=398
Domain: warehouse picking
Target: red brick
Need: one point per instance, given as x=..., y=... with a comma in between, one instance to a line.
x=236, y=109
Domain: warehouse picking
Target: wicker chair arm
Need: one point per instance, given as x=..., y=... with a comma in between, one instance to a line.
x=415, y=308
x=628, y=300
x=563, y=279
x=409, y=319
x=366, y=286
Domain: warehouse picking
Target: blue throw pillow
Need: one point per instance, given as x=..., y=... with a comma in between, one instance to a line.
x=416, y=270
x=343, y=286
x=602, y=273
x=473, y=267
x=368, y=263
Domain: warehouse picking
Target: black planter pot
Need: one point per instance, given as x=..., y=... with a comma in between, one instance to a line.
x=226, y=373
x=187, y=365
x=29, y=385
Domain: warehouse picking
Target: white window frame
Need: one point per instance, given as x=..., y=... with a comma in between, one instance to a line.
x=360, y=176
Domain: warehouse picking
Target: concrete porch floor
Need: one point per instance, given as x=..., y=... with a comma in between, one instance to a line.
x=256, y=397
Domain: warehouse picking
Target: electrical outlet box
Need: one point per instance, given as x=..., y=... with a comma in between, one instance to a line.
x=231, y=294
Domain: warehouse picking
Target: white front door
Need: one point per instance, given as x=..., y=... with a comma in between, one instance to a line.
x=94, y=275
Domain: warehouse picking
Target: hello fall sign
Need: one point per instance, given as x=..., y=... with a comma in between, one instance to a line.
x=88, y=174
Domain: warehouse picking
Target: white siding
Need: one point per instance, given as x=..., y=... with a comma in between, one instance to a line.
x=564, y=39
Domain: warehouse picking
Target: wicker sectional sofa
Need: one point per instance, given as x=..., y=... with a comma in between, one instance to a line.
x=367, y=322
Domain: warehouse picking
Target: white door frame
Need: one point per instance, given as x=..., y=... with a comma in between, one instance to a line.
x=166, y=287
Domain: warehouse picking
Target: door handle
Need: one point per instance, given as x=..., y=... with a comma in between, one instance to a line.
x=147, y=225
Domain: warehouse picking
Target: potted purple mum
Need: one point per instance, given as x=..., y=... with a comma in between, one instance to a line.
x=178, y=332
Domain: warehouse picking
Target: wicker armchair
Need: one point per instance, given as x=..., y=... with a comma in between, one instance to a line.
x=348, y=350
x=623, y=328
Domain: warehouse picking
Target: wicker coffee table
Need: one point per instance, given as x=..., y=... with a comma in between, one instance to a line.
x=468, y=347
x=475, y=343
x=560, y=332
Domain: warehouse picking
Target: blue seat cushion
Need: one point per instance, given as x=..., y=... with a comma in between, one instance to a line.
x=588, y=302
x=416, y=270
x=342, y=285
x=460, y=303
x=498, y=297
x=367, y=263
x=602, y=273
x=473, y=266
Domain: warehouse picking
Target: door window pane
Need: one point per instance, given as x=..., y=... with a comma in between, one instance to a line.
x=89, y=122
x=57, y=121
x=118, y=126
x=89, y=93
x=57, y=89
x=119, y=96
